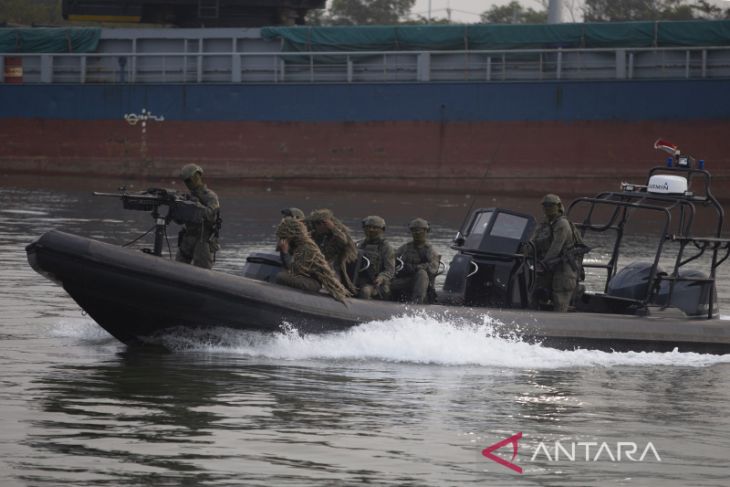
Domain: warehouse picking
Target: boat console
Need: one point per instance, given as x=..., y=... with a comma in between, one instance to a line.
x=490, y=268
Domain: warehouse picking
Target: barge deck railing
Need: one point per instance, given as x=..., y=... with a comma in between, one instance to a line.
x=707, y=62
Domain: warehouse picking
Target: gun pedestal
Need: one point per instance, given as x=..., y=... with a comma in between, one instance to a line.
x=160, y=224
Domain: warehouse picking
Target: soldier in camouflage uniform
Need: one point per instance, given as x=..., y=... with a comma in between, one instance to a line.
x=198, y=242
x=374, y=282
x=295, y=213
x=307, y=269
x=334, y=240
x=415, y=281
x=554, y=236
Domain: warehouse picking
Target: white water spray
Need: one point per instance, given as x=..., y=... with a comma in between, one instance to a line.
x=420, y=340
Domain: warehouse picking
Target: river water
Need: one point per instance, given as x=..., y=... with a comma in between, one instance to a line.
x=410, y=401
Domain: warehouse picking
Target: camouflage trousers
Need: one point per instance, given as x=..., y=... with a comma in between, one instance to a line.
x=559, y=287
x=196, y=250
x=413, y=289
x=298, y=282
x=371, y=291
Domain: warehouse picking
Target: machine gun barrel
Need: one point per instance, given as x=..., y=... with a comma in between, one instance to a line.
x=148, y=200
x=142, y=195
x=181, y=209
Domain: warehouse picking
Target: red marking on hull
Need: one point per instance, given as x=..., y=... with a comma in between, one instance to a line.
x=480, y=157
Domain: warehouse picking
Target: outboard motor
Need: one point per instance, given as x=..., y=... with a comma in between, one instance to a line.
x=632, y=282
x=692, y=295
x=262, y=266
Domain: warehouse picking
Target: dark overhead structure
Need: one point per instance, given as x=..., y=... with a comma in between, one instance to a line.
x=192, y=13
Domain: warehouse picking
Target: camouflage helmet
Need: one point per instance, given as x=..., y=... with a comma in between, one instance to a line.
x=551, y=199
x=320, y=215
x=373, y=221
x=189, y=170
x=295, y=213
x=290, y=228
x=419, y=223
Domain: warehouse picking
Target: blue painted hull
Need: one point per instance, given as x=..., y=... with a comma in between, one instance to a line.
x=527, y=137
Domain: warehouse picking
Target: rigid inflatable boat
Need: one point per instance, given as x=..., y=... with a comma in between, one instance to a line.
x=137, y=296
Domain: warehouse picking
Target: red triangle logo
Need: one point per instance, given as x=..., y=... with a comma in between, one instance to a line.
x=487, y=452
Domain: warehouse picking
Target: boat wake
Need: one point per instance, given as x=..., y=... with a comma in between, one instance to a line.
x=418, y=340
x=81, y=328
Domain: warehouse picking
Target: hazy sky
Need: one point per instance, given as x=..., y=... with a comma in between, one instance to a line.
x=469, y=10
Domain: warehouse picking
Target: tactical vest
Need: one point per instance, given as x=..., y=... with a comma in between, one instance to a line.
x=416, y=255
x=210, y=230
x=544, y=237
x=373, y=252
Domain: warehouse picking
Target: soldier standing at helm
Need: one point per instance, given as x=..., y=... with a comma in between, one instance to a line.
x=557, y=278
x=306, y=269
x=374, y=281
x=334, y=240
x=415, y=281
x=198, y=242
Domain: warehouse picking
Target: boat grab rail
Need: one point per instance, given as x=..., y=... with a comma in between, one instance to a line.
x=530, y=255
x=604, y=199
x=702, y=244
x=641, y=200
x=488, y=253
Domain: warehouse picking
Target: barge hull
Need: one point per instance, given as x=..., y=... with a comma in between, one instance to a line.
x=567, y=137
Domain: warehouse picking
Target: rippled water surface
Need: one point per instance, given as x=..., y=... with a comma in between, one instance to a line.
x=409, y=401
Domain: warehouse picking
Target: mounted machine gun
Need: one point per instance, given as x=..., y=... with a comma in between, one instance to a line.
x=180, y=209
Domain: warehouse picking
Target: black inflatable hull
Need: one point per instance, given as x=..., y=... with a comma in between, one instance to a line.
x=137, y=297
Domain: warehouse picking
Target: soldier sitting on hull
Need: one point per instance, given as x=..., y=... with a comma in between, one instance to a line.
x=297, y=214
x=198, y=242
x=414, y=283
x=307, y=268
x=554, y=238
x=334, y=240
x=374, y=281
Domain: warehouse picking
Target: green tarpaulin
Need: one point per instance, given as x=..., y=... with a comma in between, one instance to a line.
x=48, y=40
x=486, y=37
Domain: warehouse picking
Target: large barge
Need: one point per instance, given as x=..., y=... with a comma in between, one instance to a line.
x=494, y=109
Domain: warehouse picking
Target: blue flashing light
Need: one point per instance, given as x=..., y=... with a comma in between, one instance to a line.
x=701, y=164
x=669, y=162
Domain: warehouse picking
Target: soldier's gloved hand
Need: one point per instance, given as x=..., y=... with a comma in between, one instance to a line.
x=283, y=246
x=379, y=280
